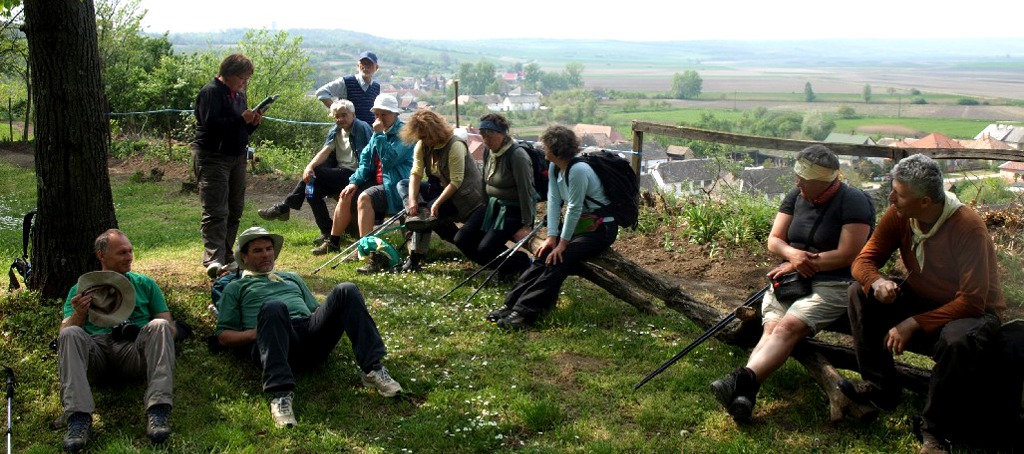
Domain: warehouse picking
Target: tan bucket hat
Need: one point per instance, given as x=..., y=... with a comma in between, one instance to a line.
x=253, y=233
x=113, y=297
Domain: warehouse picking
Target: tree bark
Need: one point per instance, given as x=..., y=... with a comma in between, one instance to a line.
x=72, y=133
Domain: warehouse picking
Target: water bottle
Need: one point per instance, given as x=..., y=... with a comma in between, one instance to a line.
x=309, y=188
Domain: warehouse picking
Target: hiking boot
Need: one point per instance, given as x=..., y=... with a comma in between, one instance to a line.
x=279, y=212
x=498, y=314
x=515, y=321
x=281, y=410
x=867, y=393
x=158, y=428
x=422, y=224
x=326, y=247
x=933, y=444
x=380, y=380
x=413, y=263
x=79, y=429
x=213, y=270
x=737, y=392
x=320, y=240
x=375, y=263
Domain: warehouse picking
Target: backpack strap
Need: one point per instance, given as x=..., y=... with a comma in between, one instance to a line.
x=586, y=198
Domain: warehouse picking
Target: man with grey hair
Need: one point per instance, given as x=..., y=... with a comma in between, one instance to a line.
x=359, y=88
x=328, y=171
x=89, y=348
x=950, y=303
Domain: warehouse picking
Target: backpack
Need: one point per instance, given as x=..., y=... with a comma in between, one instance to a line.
x=620, y=183
x=540, y=167
x=21, y=265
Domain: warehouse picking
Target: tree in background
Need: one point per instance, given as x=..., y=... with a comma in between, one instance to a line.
x=809, y=93
x=867, y=92
x=574, y=75
x=531, y=76
x=574, y=106
x=127, y=55
x=74, y=199
x=686, y=85
x=14, y=64
x=846, y=112
x=282, y=68
x=817, y=126
x=475, y=79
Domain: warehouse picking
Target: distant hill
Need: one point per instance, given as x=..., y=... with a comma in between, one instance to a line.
x=333, y=52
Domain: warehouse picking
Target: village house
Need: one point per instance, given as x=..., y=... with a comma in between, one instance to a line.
x=691, y=176
x=1010, y=134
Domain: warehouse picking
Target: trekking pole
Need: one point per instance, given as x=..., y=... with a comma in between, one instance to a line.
x=10, y=401
x=703, y=337
x=509, y=251
x=344, y=253
x=478, y=271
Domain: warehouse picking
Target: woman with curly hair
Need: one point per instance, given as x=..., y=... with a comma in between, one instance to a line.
x=443, y=177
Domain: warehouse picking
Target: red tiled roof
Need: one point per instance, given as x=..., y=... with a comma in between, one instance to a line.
x=935, y=140
x=1012, y=166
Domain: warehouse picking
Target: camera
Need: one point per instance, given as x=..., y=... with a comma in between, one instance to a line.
x=125, y=331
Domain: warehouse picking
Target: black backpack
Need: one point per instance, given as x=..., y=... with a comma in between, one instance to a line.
x=620, y=183
x=21, y=264
x=540, y=167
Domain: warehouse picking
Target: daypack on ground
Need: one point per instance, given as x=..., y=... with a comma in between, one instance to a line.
x=21, y=264
x=620, y=183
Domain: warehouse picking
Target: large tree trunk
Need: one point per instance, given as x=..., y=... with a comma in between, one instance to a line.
x=71, y=131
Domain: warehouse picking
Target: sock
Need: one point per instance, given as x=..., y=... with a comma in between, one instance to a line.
x=335, y=240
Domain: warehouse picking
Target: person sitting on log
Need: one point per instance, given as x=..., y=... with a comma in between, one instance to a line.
x=585, y=232
x=821, y=225
x=949, y=305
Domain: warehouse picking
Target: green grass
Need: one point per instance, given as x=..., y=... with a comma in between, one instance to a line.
x=566, y=387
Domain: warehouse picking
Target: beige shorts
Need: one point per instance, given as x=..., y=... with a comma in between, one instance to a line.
x=826, y=303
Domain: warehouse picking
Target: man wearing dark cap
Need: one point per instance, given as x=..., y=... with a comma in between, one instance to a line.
x=90, y=347
x=359, y=88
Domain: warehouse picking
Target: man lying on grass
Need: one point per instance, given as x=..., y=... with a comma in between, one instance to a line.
x=272, y=317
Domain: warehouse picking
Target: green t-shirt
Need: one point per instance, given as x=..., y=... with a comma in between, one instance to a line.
x=242, y=299
x=149, y=301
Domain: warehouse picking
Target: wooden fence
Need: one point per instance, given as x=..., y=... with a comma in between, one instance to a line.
x=772, y=143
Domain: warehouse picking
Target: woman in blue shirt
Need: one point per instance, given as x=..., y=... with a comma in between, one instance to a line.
x=584, y=232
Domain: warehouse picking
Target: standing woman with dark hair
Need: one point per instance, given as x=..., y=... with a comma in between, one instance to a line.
x=583, y=234
x=223, y=124
x=511, y=204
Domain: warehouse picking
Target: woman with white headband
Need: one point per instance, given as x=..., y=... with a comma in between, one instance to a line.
x=821, y=226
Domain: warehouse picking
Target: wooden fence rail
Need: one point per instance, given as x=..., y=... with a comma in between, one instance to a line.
x=772, y=143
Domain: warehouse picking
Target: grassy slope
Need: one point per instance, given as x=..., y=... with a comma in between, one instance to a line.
x=471, y=388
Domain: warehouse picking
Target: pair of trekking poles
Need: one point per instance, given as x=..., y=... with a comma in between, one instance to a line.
x=348, y=250
x=503, y=257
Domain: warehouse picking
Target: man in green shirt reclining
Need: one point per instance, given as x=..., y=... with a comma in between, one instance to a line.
x=272, y=317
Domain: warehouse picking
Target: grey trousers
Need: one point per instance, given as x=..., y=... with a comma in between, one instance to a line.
x=83, y=359
x=221, y=181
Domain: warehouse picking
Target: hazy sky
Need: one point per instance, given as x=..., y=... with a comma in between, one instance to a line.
x=631, y=20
